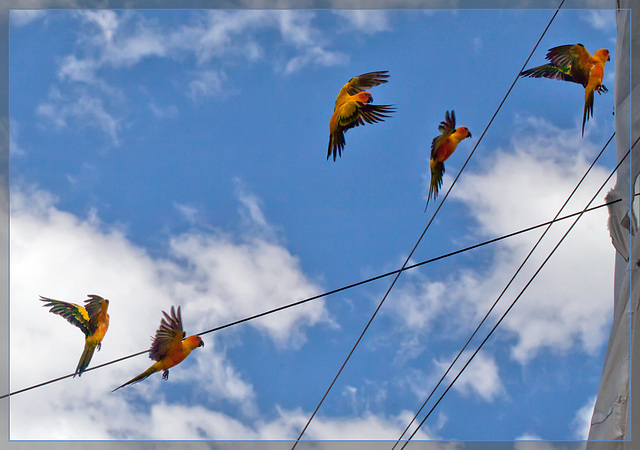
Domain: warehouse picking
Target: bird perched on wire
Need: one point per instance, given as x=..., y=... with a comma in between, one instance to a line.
x=574, y=63
x=169, y=347
x=92, y=319
x=441, y=148
x=353, y=108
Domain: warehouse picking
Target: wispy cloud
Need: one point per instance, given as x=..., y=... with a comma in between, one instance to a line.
x=114, y=39
x=22, y=17
x=14, y=131
x=208, y=83
x=603, y=20
x=84, y=109
x=205, y=46
x=163, y=112
x=366, y=20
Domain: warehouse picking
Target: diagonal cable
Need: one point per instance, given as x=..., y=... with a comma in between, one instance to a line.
x=519, y=295
x=464, y=347
x=423, y=233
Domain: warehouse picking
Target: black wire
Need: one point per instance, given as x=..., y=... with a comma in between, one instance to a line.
x=375, y=312
x=464, y=347
x=325, y=294
x=519, y=295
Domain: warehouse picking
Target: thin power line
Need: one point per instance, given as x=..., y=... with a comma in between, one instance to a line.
x=325, y=294
x=423, y=233
x=464, y=347
x=519, y=295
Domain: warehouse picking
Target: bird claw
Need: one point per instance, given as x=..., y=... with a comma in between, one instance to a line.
x=165, y=375
x=98, y=346
x=602, y=89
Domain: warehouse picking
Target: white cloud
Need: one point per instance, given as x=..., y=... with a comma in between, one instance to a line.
x=110, y=39
x=536, y=444
x=163, y=112
x=74, y=69
x=22, y=17
x=481, y=376
x=208, y=83
x=14, y=132
x=83, y=108
x=366, y=20
x=57, y=254
x=582, y=421
x=528, y=437
x=569, y=304
x=253, y=217
x=118, y=40
x=314, y=55
x=604, y=20
x=477, y=44
x=367, y=397
x=190, y=213
x=368, y=426
x=105, y=20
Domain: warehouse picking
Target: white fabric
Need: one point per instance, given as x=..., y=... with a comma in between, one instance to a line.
x=611, y=416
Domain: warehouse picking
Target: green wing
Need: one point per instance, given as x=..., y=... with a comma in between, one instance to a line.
x=567, y=63
x=75, y=314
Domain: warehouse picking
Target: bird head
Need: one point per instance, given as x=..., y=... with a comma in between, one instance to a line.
x=603, y=54
x=364, y=97
x=194, y=341
x=464, y=131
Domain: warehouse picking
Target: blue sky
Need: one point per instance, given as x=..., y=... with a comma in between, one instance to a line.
x=176, y=157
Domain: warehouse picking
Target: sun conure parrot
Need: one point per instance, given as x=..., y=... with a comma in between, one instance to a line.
x=353, y=107
x=92, y=319
x=574, y=63
x=169, y=347
x=441, y=148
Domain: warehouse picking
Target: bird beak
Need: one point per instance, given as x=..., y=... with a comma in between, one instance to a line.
x=608, y=58
x=370, y=100
x=469, y=134
x=201, y=344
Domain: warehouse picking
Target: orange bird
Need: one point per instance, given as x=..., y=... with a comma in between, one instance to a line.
x=574, y=63
x=441, y=148
x=92, y=319
x=353, y=107
x=169, y=347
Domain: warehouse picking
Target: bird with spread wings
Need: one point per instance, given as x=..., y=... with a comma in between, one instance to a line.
x=353, y=108
x=574, y=63
x=442, y=147
x=169, y=347
x=92, y=319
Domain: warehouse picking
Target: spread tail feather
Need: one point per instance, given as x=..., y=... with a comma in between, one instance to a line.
x=150, y=371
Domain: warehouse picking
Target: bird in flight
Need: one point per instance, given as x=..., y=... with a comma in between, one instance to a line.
x=574, y=63
x=353, y=108
x=442, y=147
